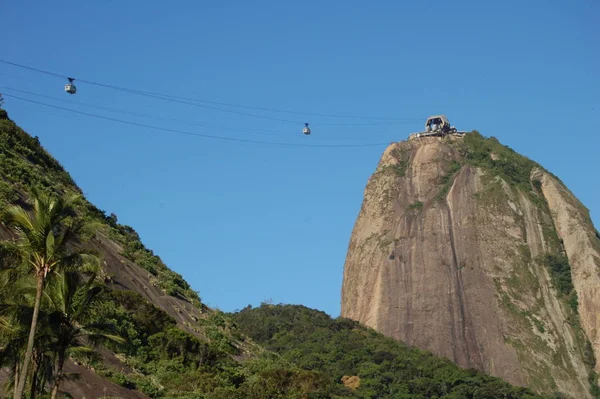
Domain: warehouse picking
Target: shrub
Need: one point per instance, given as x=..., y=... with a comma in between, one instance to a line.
x=416, y=205
x=512, y=167
x=560, y=273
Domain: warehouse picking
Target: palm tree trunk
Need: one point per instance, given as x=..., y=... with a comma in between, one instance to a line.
x=34, y=380
x=16, y=382
x=59, y=373
x=42, y=382
x=35, y=369
x=28, y=353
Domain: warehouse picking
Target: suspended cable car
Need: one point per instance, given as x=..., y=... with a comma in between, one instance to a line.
x=306, y=129
x=70, y=87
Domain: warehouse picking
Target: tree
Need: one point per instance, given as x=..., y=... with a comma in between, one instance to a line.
x=71, y=295
x=113, y=220
x=16, y=309
x=44, y=244
x=11, y=348
x=15, y=315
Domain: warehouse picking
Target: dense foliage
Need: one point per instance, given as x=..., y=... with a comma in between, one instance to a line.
x=52, y=284
x=560, y=272
x=385, y=368
x=24, y=164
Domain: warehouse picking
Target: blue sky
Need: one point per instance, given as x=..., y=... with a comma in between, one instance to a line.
x=250, y=222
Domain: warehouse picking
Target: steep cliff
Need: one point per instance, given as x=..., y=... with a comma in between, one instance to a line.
x=467, y=249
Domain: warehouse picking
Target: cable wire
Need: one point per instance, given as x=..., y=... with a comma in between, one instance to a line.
x=153, y=116
x=197, y=134
x=180, y=99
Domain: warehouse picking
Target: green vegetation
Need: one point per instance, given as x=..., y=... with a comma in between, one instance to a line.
x=560, y=273
x=501, y=160
x=387, y=369
x=402, y=156
x=40, y=251
x=52, y=286
x=496, y=160
x=25, y=165
x=418, y=205
x=399, y=168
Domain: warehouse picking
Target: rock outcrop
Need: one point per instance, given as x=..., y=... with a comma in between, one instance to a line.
x=459, y=248
x=582, y=246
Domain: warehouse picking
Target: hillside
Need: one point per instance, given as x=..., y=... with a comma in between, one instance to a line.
x=375, y=366
x=470, y=250
x=176, y=347
x=146, y=296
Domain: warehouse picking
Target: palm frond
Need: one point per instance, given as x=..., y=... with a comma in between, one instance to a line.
x=7, y=326
x=87, y=295
x=10, y=255
x=16, y=215
x=9, y=278
x=24, y=286
x=81, y=261
x=19, y=218
x=80, y=350
x=90, y=263
x=97, y=338
x=50, y=248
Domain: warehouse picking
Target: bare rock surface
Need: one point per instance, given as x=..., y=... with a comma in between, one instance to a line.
x=447, y=256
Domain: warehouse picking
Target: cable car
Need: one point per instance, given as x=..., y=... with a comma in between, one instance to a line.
x=70, y=87
x=306, y=129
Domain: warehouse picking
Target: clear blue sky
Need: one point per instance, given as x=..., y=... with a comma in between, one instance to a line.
x=249, y=222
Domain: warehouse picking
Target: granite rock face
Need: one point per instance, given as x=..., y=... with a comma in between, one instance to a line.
x=452, y=252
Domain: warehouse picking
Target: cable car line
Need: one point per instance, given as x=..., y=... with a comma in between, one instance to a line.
x=152, y=95
x=179, y=98
x=199, y=134
x=140, y=114
x=153, y=116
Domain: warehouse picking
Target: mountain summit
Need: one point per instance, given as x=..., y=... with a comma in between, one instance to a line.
x=470, y=250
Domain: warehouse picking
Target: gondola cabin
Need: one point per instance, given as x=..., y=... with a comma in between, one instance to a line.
x=70, y=87
x=306, y=129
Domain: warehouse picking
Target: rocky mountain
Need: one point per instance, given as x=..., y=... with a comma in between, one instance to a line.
x=176, y=347
x=467, y=249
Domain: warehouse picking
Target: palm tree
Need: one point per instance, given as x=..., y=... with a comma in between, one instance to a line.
x=15, y=314
x=11, y=348
x=71, y=295
x=43, y=245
